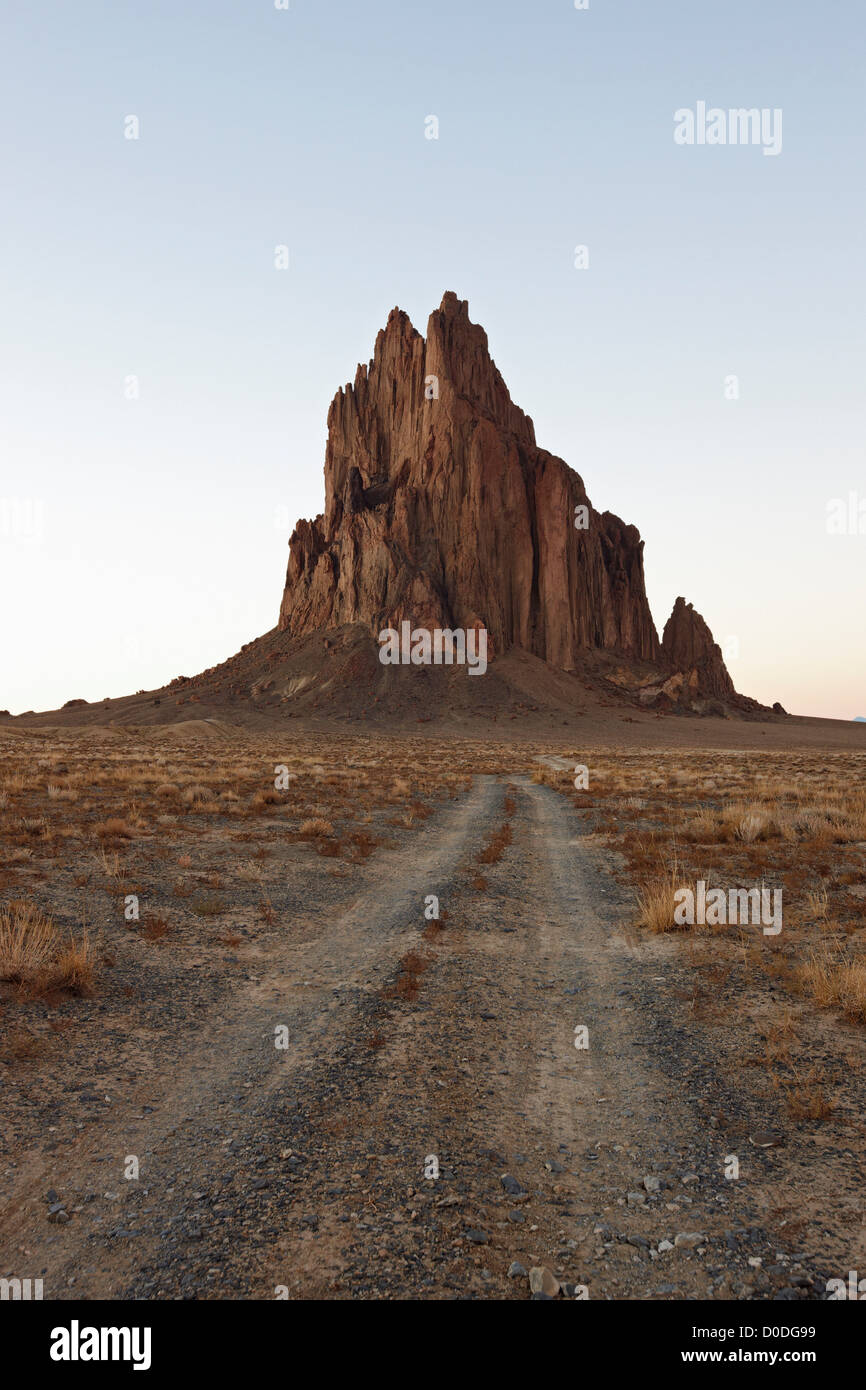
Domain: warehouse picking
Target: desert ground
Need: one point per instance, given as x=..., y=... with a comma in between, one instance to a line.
x=334, y=1014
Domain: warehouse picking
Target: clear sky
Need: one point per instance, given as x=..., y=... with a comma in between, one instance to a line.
x=145, y=538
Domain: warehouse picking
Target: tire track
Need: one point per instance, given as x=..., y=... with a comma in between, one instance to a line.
x=317, y=988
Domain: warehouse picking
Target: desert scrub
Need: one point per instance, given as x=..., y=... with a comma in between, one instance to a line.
x=657, y=903
x=34, y=955
x=314, y=829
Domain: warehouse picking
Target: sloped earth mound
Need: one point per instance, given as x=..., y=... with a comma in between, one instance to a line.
x=336, y=678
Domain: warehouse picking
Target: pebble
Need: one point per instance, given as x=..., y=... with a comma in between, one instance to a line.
x=766, y=1139
x=688, y=1240
x=541, y=1281
x=512, y=1186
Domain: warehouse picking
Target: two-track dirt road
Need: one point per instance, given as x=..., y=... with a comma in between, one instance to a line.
x=413, y=1047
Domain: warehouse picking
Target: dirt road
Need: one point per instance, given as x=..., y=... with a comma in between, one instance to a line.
x=415, y=1047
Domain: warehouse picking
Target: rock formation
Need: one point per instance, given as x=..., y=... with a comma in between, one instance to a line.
x=687, y=645
x=441, y=509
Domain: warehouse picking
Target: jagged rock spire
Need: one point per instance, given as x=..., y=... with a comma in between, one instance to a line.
x=441, y=508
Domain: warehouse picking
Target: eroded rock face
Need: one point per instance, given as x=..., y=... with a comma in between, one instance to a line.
x=441, y=509
x=687, y=645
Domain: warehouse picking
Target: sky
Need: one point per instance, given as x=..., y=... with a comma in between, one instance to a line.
x=164, y=385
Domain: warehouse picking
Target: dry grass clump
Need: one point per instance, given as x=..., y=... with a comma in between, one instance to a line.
x=28, y=941
x=703, y=826
x=34, y=955
x=249, y=871
x=268, y=797
x=115, y=828
x=34, y=825
x=656, y=901
x=267, y=911
x=559, y=778
x=73, y=970
x=809, y=1103
x=154, y=928
x=20, y=1045
x=363, y=843
x=195, y=792
x=805, y=1096
x=817, y=903
x=57, y=793
x=754, y=825
x=109, y=863
x=836, y=982
x=315, y=829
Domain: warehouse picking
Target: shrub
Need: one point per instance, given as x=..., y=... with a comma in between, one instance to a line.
x=33, y=954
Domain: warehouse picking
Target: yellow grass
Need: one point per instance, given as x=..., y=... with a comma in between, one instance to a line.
x=34, y=955
x=657, y=903
x=835, y=982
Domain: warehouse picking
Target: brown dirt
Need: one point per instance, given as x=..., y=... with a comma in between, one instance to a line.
x=304, y=1169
